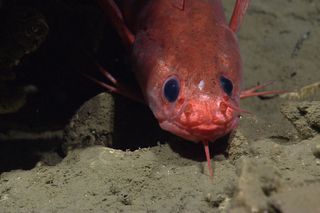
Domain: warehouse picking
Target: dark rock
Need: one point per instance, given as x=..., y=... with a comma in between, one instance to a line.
x=92, y=124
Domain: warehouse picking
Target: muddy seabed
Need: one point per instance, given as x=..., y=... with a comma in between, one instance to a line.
x=271, y=165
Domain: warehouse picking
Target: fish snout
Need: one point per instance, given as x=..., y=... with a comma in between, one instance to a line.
x=202, y=120
x=207, y=114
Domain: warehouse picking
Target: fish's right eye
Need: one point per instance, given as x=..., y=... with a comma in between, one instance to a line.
x=171, y=89
x=226, y=85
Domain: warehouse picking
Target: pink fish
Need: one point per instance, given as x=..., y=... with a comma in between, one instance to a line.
x=186, y=59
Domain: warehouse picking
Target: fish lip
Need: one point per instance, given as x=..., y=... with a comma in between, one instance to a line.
x=197, y=134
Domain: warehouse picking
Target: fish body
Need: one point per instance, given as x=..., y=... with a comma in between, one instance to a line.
x=187, y=61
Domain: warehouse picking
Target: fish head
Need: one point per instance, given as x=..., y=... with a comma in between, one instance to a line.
x=200, y=106
x=193, y=113
x=193, y=88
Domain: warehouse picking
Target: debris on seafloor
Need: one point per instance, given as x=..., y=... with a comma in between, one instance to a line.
x=15, y=135
x=305, y=117
x=303, y=93
x=305, y=36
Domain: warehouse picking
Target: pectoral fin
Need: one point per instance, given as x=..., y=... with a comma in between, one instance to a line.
x=113, y=13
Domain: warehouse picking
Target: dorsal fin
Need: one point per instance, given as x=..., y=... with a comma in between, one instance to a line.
x=178, y=4
x=238, y=14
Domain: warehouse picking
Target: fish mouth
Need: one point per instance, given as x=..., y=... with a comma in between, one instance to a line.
x=201, y=132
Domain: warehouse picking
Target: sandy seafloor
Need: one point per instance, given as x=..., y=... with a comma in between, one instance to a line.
x=271, y=165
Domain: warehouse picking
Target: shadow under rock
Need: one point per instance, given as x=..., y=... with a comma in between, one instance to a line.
x=135, y=126
x=25, y=155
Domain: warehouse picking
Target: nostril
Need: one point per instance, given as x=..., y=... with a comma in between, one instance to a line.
x=188, y=110
x=223, y=107
x=180, y=101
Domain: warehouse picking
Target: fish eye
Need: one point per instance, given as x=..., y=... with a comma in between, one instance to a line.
x=226, y=85
x=171, y=89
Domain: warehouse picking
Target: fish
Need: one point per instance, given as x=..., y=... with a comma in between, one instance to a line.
x=186, y=59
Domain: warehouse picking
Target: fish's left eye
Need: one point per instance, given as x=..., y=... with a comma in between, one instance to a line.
x=171, y=89
x=226, y=85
